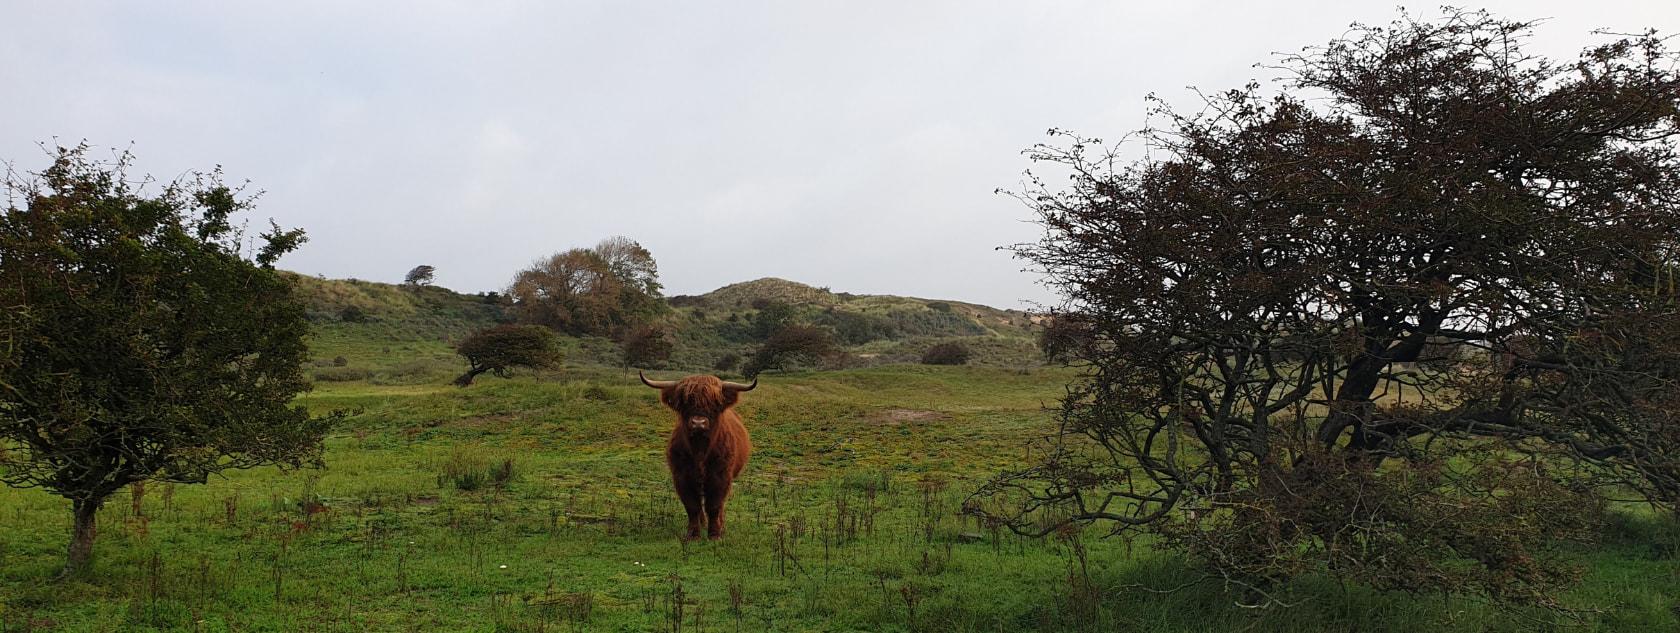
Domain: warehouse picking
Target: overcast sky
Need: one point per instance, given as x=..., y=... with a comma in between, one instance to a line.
x=852, y=145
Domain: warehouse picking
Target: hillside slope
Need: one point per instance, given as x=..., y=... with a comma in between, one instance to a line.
x=394, y=334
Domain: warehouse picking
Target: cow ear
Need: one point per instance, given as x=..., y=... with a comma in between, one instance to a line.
x=730, y=397
x=669, y=397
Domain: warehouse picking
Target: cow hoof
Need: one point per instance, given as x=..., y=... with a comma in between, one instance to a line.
x=715, y=537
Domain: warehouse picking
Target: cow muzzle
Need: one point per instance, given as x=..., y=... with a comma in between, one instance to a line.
x=699, y=424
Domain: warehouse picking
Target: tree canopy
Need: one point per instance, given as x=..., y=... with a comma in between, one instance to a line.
x=420, y=275
x=138, y=341
x=600, y=291
x=1323, y=326
x=503, y=348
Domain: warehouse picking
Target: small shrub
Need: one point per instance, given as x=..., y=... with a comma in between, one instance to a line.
x=467, y=470
x=792, y=345
x=501, y=474
x=939, y=306
x=353, y=314
x=598, y=394
x=952, y=353
x=647, y=346
x=727, y=362
x=856, y=328
x=340, y=361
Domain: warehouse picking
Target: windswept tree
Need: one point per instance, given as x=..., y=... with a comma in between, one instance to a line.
x=503, y=348
x=1321, y=325
x=420, y=275
x=137, y=340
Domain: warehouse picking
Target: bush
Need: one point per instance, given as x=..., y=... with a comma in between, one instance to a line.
x=946, y=354
x=727, y=362
x=647, y=346
x=466, y=469
x=794, y=344
x=353, y=314
x=856, y=328
x=770, y=318
x=340, y=361
x=934, y=323
x=598, y=394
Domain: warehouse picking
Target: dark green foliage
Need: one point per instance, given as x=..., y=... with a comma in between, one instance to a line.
x=136, y=343
x=1316, y=323
x=727, y=362
x=647, y=346
x=502, y=348
x=790, y=346
x=771, y=317
x=933, y=323
x=420, y=276
x=340, y=361
x=353, y=314
x=939, y=306
x=857, y=328
x=952, y=353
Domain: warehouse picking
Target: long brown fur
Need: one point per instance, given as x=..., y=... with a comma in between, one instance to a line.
x=704, y=464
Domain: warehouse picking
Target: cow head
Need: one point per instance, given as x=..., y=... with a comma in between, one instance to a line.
x=698, y=400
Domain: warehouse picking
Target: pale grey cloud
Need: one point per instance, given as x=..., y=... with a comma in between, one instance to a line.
x=853, y=145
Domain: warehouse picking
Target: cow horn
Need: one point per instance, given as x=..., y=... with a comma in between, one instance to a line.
x=735, y=386
x=656, y=384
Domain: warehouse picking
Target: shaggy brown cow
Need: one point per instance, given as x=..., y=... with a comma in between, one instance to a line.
x=708, y=448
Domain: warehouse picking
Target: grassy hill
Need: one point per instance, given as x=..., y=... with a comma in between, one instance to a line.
x=875, y=329
x=391, y=334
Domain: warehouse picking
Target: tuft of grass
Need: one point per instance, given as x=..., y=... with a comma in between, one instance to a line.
x=468, y=468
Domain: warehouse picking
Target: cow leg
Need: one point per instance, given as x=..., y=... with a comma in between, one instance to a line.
x=688, y=489
x=717, y=493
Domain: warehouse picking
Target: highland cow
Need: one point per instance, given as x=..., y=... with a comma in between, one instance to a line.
x=708, y=447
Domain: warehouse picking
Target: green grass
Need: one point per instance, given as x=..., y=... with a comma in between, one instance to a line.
x=845, y=520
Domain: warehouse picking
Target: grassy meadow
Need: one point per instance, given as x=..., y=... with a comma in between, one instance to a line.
x=541, y=503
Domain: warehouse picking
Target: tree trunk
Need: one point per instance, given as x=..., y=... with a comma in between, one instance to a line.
x=84, y=527
x=467, y=378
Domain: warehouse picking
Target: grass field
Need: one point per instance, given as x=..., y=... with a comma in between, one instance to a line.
x=542, y=503
x=846, y=520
